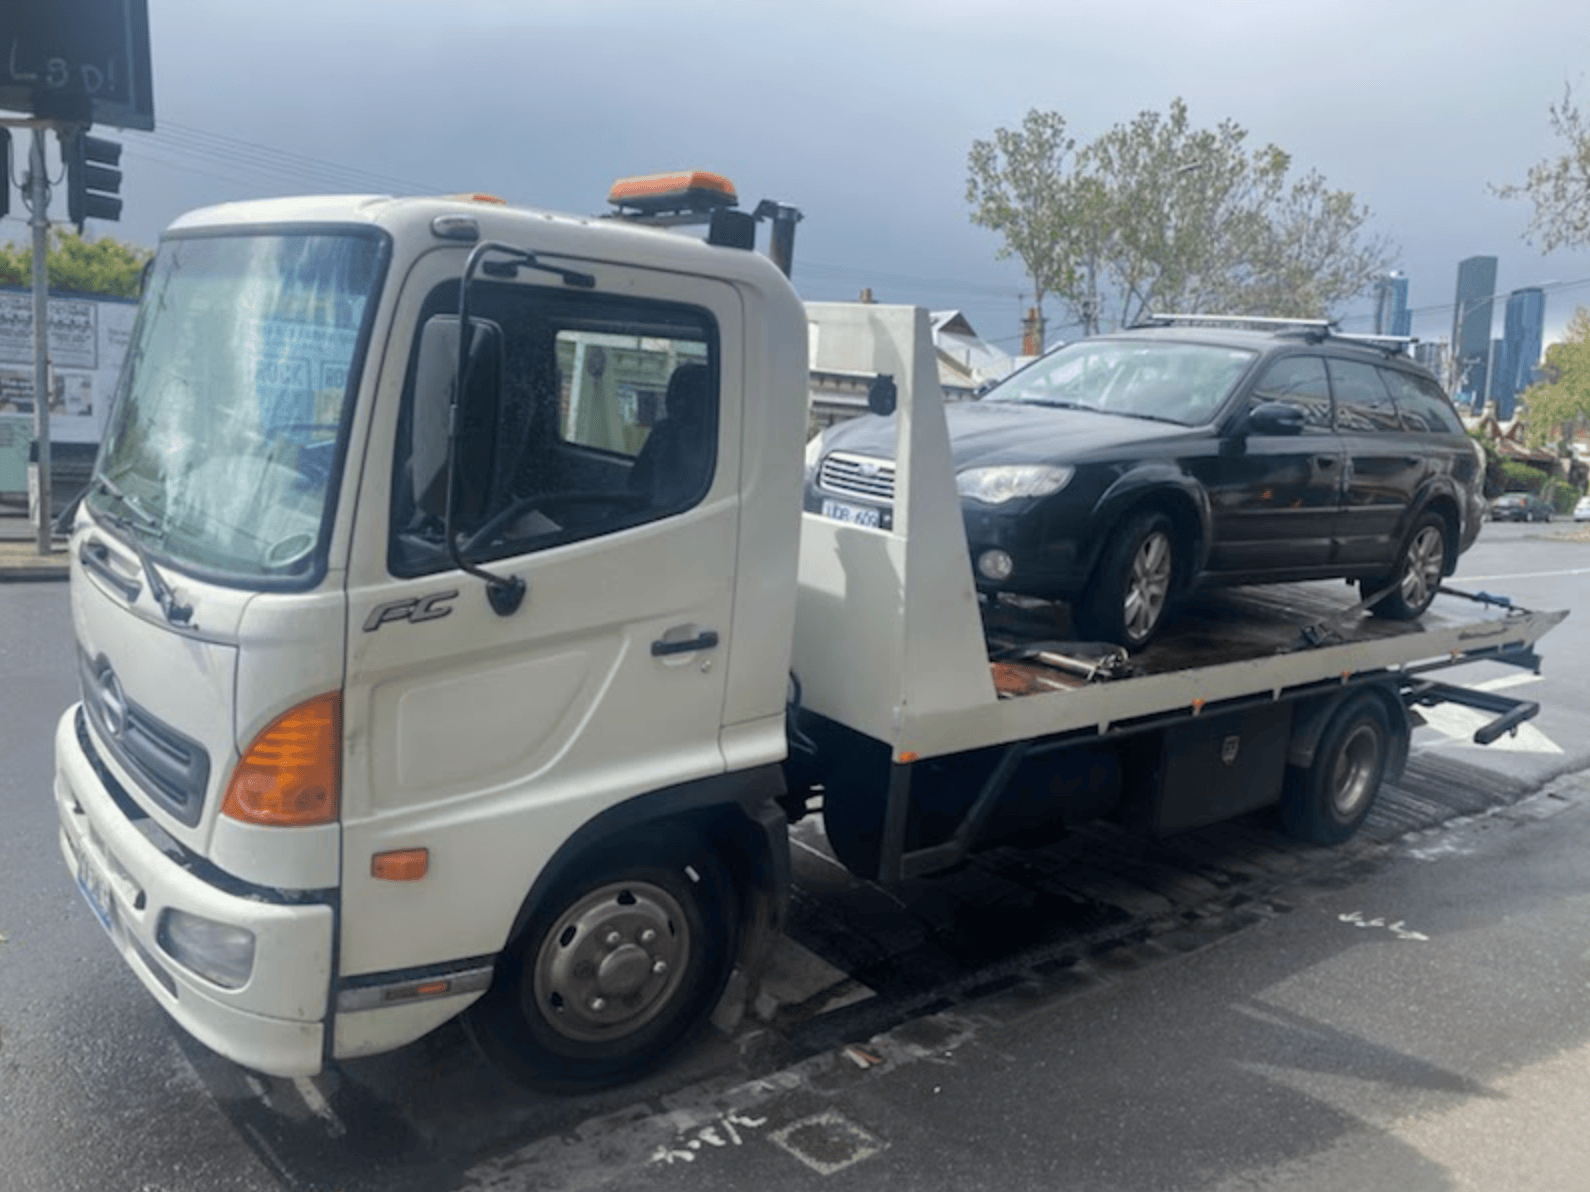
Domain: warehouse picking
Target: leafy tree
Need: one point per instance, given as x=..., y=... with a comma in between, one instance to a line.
x=1018, y=185
x=1560, y=401
x=1156, y=214
x=104, y=266
x=1559, y=187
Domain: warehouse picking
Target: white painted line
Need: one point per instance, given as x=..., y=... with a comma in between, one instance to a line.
x=319, y=1106
x=1503, y=682
x=1487, y=579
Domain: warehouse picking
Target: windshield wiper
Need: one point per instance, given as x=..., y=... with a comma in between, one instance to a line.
x=1053, y=405
x=175, y=613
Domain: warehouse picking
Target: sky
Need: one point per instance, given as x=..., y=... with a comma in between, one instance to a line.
x=861, y=113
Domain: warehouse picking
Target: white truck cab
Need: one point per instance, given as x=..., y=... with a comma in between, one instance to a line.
x=437, y=598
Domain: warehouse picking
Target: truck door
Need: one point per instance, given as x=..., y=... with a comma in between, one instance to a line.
x=612, y=492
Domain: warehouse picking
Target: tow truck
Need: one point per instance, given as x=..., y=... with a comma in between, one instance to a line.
x=452, y=640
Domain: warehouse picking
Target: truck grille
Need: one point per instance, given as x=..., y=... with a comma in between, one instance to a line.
x=860, y=476
x=174, y=769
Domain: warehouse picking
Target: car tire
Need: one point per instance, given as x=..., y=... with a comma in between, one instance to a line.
x=620, y=963
x=1131, y=591
x=1421, y=565
x=1324, y=803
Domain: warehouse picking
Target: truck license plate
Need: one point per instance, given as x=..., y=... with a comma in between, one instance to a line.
x=856, y=515
x=95, y=887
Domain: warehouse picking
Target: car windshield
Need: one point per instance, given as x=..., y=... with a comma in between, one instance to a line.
x=1173, y=382
x=226, y=433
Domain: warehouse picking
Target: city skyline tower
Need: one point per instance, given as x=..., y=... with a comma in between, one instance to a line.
x=1471, y=329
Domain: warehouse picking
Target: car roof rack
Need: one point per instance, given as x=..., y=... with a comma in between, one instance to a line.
x=1258, y=322
x=1392, y=345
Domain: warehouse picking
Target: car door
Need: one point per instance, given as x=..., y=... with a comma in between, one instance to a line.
x=1385, y=466
x=487, y=739
x=1274, y=497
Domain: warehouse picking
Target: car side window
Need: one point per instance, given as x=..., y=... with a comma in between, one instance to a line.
x=1421, y=403
x=607, y=419
x=1299, y=381
x=1363, y=403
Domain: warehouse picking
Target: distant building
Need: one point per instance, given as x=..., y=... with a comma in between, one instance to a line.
x=1471, y=328
x=1522, y=333
x=1496, y=388
x=1392, y=316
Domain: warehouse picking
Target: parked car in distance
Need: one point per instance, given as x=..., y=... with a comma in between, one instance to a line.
x=1117, y=473
x=1581, y=510
x=1524, y=507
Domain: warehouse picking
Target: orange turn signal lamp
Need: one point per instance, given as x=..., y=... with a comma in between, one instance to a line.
x=681, y=190
x=290, y=776
x=401, y=865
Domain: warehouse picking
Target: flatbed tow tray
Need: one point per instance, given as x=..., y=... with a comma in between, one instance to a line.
x=1217, y=626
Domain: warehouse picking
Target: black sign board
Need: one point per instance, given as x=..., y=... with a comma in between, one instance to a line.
x=77, y=61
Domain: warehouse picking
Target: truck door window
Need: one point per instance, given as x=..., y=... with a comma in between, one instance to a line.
x=608, y=420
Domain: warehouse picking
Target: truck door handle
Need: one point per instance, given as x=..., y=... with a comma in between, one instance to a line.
x=1325, y=461
x=707, y=640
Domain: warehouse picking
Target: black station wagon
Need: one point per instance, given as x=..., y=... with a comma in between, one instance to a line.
x=1118, y=472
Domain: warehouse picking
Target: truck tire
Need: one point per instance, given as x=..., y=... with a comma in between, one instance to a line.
x=619, y=964
x=1419, y=571
x=1130, y=593
x=1324, y=803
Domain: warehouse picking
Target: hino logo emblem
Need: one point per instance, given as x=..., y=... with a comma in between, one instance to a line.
x=414, y=610
x=112, y=702
x=1229, y=748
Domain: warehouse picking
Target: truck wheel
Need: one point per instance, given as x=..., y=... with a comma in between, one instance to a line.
x=619, y=964
x=1325, y=802
x=1130, y=594
x=1419, y=571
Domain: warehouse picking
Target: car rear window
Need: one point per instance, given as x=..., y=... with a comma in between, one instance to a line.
x=1421, y=403
x=1363, y=403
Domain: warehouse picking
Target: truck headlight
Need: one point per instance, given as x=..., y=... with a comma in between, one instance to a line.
x=218, y=952
x=996, y=485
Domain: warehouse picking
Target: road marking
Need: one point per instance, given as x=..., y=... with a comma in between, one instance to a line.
x=319, y=1106
x=1457, y=725
x=1505, y=681
x=1486, y=579
x=827, y=1142
x=1398, y=929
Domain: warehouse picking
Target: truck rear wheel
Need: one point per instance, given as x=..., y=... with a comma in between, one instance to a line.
x=620, y=963
x=1324, y=803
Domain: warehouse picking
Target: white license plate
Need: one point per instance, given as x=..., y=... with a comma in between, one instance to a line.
x=856, y=515
x=95, y=887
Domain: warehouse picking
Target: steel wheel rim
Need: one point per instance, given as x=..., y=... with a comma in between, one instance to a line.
x=1426, y=559
x=612, y=962
x=1352, y=776
x=1147, y=585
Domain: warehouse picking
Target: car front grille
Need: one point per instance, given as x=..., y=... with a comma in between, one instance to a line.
x=862, y=476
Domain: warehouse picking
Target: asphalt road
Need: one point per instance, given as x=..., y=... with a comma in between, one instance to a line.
x=1227, y=1010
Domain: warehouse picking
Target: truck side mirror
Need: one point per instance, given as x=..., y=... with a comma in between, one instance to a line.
x=881, y=394
x=435, y=379
x=1276, y=418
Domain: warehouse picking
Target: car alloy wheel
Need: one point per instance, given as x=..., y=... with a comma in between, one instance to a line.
x=1147, y=585
x=1423, y=566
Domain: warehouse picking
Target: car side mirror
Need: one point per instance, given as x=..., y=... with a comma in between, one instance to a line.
x=1276, y=418
x=435, y=378
x=881, y=395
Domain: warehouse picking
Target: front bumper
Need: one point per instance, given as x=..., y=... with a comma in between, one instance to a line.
x=274, y=1022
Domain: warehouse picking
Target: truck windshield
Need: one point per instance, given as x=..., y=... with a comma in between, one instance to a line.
x=226, y=436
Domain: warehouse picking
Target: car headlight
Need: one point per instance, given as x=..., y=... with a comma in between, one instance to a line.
x=995, y=486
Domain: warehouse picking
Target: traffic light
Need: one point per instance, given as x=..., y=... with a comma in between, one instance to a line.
x=92, y=179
